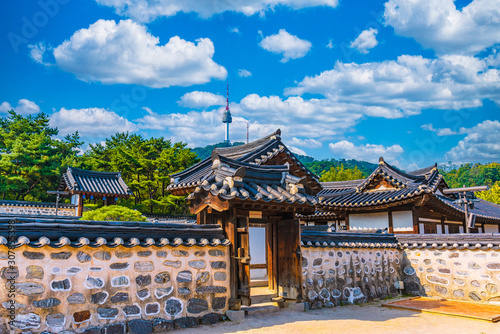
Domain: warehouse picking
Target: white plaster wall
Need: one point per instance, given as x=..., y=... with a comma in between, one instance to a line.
x=402, y=221
x=378, y=220
x=490, y=228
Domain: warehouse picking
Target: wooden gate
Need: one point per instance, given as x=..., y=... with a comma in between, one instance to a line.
x=289, y=260
x=243, y=259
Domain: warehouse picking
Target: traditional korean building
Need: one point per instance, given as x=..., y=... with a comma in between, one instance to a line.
x=86, y=184
x=400, y=202
x=254, y=191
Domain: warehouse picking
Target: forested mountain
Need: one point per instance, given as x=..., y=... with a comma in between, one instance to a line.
x=204, y=152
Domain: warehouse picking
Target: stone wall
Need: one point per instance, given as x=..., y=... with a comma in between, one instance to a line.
x=466, y=269
x=119, y=289
x=36, y=208
x=349, y=274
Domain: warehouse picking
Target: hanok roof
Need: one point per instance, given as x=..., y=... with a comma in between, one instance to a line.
x=269, y=150
x=230, y=179
x=80, y=181
x=385, y=185
x=77, y=233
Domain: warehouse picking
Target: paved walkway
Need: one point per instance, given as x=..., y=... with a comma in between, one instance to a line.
x=369, y=318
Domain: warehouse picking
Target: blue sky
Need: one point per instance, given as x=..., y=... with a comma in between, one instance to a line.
x=415, y=81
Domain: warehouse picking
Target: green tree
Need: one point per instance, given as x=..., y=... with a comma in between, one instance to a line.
x=31, y=158
x=114, y=213
x=341, y=174
x=145, y=165
x=492, y=194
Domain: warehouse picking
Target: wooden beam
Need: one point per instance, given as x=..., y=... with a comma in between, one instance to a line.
x=442, y=225
x=416, y=228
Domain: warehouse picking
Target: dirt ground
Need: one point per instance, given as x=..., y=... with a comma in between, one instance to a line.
x=368, y=318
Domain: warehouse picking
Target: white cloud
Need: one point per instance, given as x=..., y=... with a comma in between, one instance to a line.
x=290, y=46
x=439, y=25
x=367, y=152
x=37, y=52
x=330, y=44
x=404, y=87
x=235, y=30
x=296, y=150
x=200, y=100
x=127, y=53
x=441, y=132
x=24, y=107
x=482, y=143
x=90, y=122
x=244, y=73
x=365, y=41
x=308, y=142
x=147, y=10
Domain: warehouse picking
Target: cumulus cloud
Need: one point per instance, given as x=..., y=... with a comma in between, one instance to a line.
x=24, y=107
x=244, y=73
x=367, y=152
x=441, y=132
x=365, y=41
x=439, y=25
x=200, y=100
x=290, y=46
x=147, y=10
x=307, y=142
x=90, y=122
x=125, y=52
x=482, y=143
x=403, y=87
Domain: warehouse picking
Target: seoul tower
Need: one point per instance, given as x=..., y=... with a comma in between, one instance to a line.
x=226, y=118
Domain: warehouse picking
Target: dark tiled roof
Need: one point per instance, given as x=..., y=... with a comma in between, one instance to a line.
x=36, y=204
x=318, y=214
x=482, y=209
x=324, y=238
x=85, y=181
x=77, y=233
x=229, y=179
x=450, y=241
x=258, y=152
x=349, y=194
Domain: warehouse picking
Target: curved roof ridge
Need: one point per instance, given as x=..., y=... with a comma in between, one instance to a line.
x=236, y=152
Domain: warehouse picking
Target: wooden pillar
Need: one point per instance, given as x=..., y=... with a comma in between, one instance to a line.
x=416, y=226
x=347, y=227
x=269, y=255
x=230, y=219
x=275, y=255
x=391, y=228
x=442, y=225
x=80, y=205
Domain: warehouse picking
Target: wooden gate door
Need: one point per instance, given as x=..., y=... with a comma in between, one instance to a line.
x=289, y=260
x=243, y=257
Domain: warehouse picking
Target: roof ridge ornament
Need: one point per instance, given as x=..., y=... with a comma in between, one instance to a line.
x=381, y=160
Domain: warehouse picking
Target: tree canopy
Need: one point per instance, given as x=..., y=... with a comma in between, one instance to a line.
x=114, y=213
x=145, y=166
x=341, y=174
x=31, y=158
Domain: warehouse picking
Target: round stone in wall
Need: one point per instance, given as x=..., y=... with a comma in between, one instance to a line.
x=198, y=264
x=102, y=255
x=180, y=253
x=197, y=305
x=220, y=276
x=474, y=296
x=60, y=256
x=120, y=281
x=203, y=277
x=29, y=288
x=441, y=290
x=33, y=255
x=491, y=288
x=131, y=310
x=152, y=308
x=119, y=266
x=144, y=253
x=120, y=297
x=76, y=298
x=27, y=321
x=143, y=280
x=174, y=264
x=218, y=303
x=99, y=297
x=216, y=252
x=46, y=303
x=83, y=257
x=71, y=271
x=55, y=320
x=459, y=293
x=93, y=282
x=184, y=276
x=161, y=254
x=163, y=292
x=162, y=278
x=143, y=294
x=142, y=266
x=122, y=255
x=173, y=306
x=81, y=316
x=34, y=272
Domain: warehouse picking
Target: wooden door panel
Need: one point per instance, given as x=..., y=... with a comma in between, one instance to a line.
x=289, y=260
x=243, y=257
